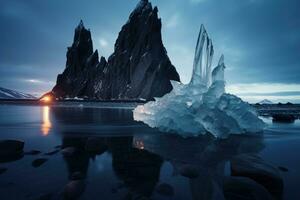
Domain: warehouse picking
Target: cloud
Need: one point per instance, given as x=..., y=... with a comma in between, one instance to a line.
x=276, y=92
x=262, y=88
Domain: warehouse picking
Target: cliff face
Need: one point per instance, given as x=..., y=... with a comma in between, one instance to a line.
x=138, y=68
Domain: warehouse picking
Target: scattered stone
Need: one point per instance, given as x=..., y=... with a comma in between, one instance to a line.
x=283, y=169
x=51, y=153
x=165, y=189
x=11, y=147
x=189, y=171
x=2, y=170
x=68, y=151
x=38, y=162
x=32, y=152
x=255, y=168
x=74, y=189
x=95, y=145
x=57, y=146
x=242, y=188
x=77, y=176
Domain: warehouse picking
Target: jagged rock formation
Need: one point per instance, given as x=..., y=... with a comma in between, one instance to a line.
x=138, y=68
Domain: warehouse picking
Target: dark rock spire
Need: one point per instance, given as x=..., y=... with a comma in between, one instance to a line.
x=138, y=68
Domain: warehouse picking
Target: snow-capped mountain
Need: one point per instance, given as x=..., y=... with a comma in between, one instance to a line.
x=265, y=101
x=12, y=94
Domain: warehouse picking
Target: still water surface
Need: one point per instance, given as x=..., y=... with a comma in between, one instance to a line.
x=134, y=161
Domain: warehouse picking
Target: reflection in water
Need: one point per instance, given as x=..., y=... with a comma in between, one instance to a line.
x=137, y=159
x=139, y=144
x=46, y=126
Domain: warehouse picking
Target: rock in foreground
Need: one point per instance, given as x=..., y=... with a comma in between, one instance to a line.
x=257, y=169
x=242, y=188
x=11, y=147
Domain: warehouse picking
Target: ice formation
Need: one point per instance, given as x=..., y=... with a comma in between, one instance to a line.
x=201, y=106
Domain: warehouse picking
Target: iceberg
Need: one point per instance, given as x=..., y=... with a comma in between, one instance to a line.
x=202, y=106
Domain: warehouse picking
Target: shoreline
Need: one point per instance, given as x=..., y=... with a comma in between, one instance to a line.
x=262, y=110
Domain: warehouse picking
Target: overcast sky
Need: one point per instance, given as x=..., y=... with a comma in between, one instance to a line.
x=260, y=40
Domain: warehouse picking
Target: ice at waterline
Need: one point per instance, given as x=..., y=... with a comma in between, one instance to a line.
x=201, y=106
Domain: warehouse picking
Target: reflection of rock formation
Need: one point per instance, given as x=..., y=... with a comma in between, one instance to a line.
x=91, y=121
x=78, y=161
x=73, y=115
x=139, y=169
x=77, y=153
x=203, y=159
x=137, y=161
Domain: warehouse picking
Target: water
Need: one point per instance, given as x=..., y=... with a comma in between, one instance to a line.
x=134, y=160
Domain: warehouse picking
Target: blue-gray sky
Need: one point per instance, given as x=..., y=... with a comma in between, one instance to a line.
x=260, y=40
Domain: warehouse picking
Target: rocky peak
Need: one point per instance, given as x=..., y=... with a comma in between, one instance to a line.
x=138, y=68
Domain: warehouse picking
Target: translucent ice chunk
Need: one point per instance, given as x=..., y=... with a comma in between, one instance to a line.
x=202, y=106
x=203, y=58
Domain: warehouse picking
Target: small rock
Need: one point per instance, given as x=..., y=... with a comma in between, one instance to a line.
x=165, y=189
x=77, y=176
x=51, y=153
x=242, y=188
x=283, y=169
x=68, y=151
x=38, y=162
x=74, y=189
x=57, y=146
x=11, y=147
x=2, y=170
x=32, y=152
x=189, y=171
x=255, y=168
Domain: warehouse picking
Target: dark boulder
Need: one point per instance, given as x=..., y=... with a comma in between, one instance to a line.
x=242, y=188
x=38, y=162
x=32, y=152
x=255, y=168
x=11, y=147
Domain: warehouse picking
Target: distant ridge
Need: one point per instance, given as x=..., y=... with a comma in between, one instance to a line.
x=12, y=94
x=265, y=101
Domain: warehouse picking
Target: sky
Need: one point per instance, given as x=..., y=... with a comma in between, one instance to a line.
x=260, y=40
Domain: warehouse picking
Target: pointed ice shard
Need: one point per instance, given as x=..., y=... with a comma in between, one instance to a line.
x=218, y=72
x=217, y=87
x=203, y=59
